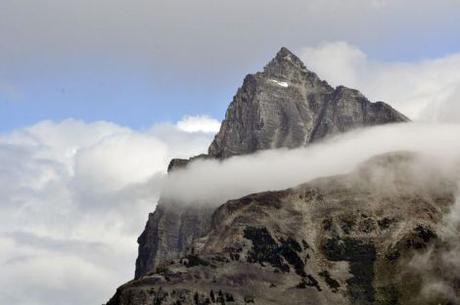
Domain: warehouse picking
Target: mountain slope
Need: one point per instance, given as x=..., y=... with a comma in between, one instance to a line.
x=347, y=239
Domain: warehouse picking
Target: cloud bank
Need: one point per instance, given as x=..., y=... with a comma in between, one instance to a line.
x=74, y=196
x=214, y=182
x=180, y=33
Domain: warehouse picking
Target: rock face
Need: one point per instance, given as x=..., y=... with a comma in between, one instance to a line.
x=339, y=240
x=169, y=230
x=286, y=105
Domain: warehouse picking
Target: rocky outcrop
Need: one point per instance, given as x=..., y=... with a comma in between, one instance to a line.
x=286, y=105
x=347, y=239
x=168, y=233
x=176, y=164
x=348, y=109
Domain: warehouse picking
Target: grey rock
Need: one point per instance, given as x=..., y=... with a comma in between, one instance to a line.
x=286, y=105
x=168, y=233
x=176, y=164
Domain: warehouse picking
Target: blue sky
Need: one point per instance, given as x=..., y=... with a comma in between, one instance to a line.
x=143, y=62
x=121, y=96
x=129, y=96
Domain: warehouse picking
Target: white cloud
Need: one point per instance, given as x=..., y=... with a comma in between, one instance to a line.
x=201, y=123
x=37, y=274
x=74, y=196
x=214, y=182
x=426, y=90
x=120, y=160
x=197, y=34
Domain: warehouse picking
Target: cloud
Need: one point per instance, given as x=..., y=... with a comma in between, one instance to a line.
x=38, y=274
x=99, y=166
x=214, y=182
x=74, y=196
x=427, y=90
x=438, y=267
x=79, y=28
x=178, y=37
x=201, y=123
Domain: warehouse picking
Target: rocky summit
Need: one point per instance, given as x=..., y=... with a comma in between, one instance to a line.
x=336, y=240
x=287, y=105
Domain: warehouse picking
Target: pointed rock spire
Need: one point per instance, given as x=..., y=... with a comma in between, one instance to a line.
x=287, y=105
x=283, y=62
x=285, y=54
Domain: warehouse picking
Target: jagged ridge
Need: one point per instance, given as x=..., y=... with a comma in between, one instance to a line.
x=287, y=105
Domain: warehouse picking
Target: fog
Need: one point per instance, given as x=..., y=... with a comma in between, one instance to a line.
x=211, y=182
x=439, y=266
x=214, y=182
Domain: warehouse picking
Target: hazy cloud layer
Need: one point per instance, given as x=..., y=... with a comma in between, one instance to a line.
x=214, y=182
x=426, y=90
x=180, y=32
x=439, y=266
x=74, y=196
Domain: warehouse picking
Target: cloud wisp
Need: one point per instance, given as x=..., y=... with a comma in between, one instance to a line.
x=214, y=182
x=202, y=123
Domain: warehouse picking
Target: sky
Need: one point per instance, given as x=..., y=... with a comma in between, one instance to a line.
x=144, y=61
x=96, y=97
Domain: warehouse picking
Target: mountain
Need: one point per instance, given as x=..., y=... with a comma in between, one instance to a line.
x=285, y=105
x=347, y=239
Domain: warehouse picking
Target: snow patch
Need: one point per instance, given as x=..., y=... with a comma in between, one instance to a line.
x=282, y=84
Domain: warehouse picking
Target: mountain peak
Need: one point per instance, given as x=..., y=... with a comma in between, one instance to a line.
x=289, y=106
x=284, y=52
x=284, y=60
